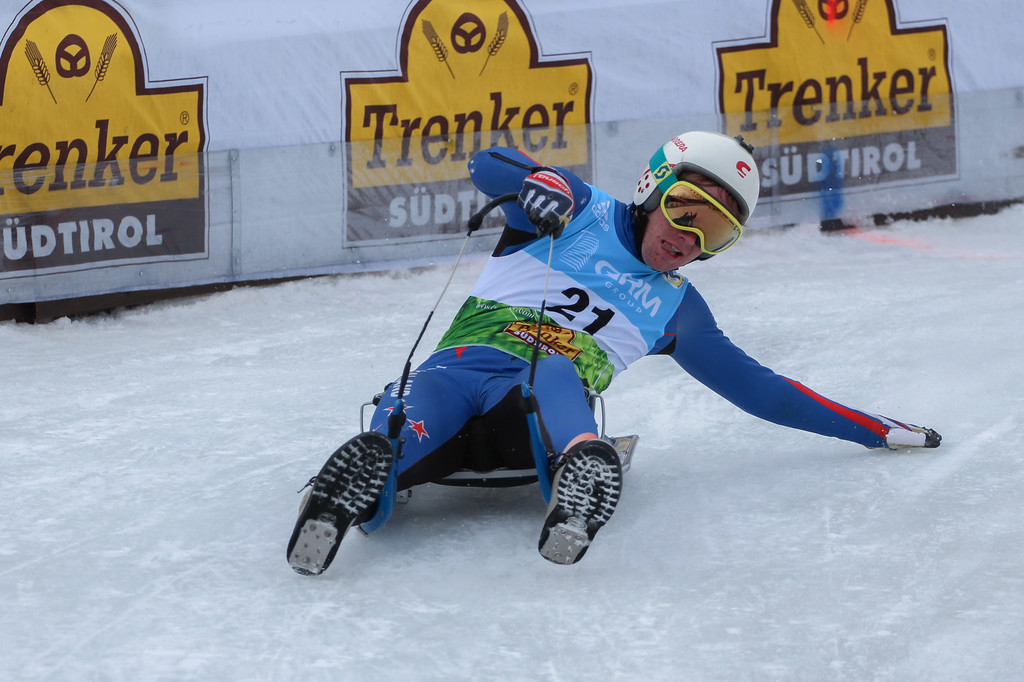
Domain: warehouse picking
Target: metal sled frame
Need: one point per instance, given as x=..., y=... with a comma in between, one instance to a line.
x=504, y=477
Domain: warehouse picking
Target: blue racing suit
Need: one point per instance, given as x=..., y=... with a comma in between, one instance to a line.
x=605, y=309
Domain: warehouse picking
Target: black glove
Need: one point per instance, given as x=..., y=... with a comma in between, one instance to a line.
x=548, y=202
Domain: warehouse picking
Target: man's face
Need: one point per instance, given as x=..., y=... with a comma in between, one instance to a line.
x=664, y=247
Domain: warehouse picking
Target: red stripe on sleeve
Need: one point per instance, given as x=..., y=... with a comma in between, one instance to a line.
x=867, y=422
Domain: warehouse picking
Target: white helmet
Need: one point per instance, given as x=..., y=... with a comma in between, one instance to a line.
x=726, y=160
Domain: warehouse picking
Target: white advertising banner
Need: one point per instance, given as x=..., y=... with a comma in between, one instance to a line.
x=272, y=67
x=147, y=145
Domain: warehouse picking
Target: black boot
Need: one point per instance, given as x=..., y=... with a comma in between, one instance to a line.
x=347, y=487
x=586, y=487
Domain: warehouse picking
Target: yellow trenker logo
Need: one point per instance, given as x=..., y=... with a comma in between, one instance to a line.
x=839, y=94
x=79, y=125
x=96, y=164
x=470, y=76
x=835, y=69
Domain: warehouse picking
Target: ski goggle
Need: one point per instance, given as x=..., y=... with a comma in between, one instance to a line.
x=691, y=209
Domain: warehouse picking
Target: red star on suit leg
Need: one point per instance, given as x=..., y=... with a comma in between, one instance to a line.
x=419, y=429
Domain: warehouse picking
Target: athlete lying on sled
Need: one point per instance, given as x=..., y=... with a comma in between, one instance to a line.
x=605, y=273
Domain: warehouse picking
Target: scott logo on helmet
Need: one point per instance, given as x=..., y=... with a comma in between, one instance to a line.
x=662, y=172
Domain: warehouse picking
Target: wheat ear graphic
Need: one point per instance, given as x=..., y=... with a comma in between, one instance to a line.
x=103, y=63
x=805, y=14
x=858, y=16
x=38, y=66
x=498, y=40
x=435, y=42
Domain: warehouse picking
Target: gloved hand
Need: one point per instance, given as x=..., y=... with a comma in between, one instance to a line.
x=910, y=436
x=548, y=202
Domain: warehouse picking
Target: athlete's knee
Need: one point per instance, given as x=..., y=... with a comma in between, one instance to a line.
x=557, y=369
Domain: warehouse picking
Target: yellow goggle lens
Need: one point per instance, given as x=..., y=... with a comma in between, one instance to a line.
x=690, y=208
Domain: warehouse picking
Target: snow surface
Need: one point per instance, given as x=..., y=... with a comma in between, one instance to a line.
x=149, y=463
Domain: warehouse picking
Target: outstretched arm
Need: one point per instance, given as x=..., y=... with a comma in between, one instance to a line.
x=709, y=356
